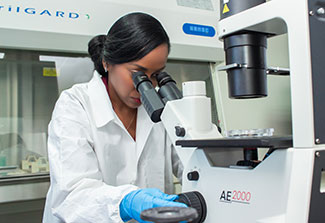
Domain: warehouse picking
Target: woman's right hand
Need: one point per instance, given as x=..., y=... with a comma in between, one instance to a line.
x=139, y=200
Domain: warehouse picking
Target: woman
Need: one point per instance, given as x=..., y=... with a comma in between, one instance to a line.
x=102, y=144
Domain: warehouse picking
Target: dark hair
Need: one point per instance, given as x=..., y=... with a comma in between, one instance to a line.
x=95, y=50
x=132, y=37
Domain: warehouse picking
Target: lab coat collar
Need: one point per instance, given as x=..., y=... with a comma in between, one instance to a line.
x=144, y=127
x=101, y=104
x=103, y=112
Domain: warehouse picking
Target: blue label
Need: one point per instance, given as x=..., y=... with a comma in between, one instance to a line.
x=198, y=30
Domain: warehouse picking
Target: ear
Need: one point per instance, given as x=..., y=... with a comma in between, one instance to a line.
x=105, y=65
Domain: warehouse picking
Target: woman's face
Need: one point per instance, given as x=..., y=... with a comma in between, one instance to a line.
x=120, y=84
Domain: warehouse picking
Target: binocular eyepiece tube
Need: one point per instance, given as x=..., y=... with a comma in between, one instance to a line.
x=152, y=101
x=149, y=97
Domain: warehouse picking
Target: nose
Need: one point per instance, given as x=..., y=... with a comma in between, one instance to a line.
x=136, y=94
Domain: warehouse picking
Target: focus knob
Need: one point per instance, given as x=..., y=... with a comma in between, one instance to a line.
x=195, y=200
x=193, y=176
x=179, y=131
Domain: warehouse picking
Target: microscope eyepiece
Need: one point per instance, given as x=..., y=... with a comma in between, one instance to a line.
x=138, y=78
x=149, y=97
x=168, y=89
x=163, y=78
x=152, y=101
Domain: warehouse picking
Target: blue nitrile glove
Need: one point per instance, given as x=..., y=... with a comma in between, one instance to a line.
x=139, y=200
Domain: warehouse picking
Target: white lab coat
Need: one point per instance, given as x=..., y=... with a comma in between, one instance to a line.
x=94, y=161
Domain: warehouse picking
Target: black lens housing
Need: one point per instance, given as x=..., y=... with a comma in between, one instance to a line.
x=249, y=50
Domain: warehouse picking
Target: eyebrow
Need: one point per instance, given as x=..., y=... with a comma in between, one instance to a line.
x=145, y=69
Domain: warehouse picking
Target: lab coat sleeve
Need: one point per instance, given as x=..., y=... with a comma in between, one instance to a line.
x=78, y=191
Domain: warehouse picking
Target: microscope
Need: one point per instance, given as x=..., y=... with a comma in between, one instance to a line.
x=222, y=172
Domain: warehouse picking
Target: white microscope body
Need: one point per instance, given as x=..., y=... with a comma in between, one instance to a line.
x=287, y=185
x=191, y=114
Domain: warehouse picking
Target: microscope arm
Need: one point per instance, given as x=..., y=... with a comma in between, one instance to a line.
x=189, y=117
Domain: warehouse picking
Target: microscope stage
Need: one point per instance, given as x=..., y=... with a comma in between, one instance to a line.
x=274, y=142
